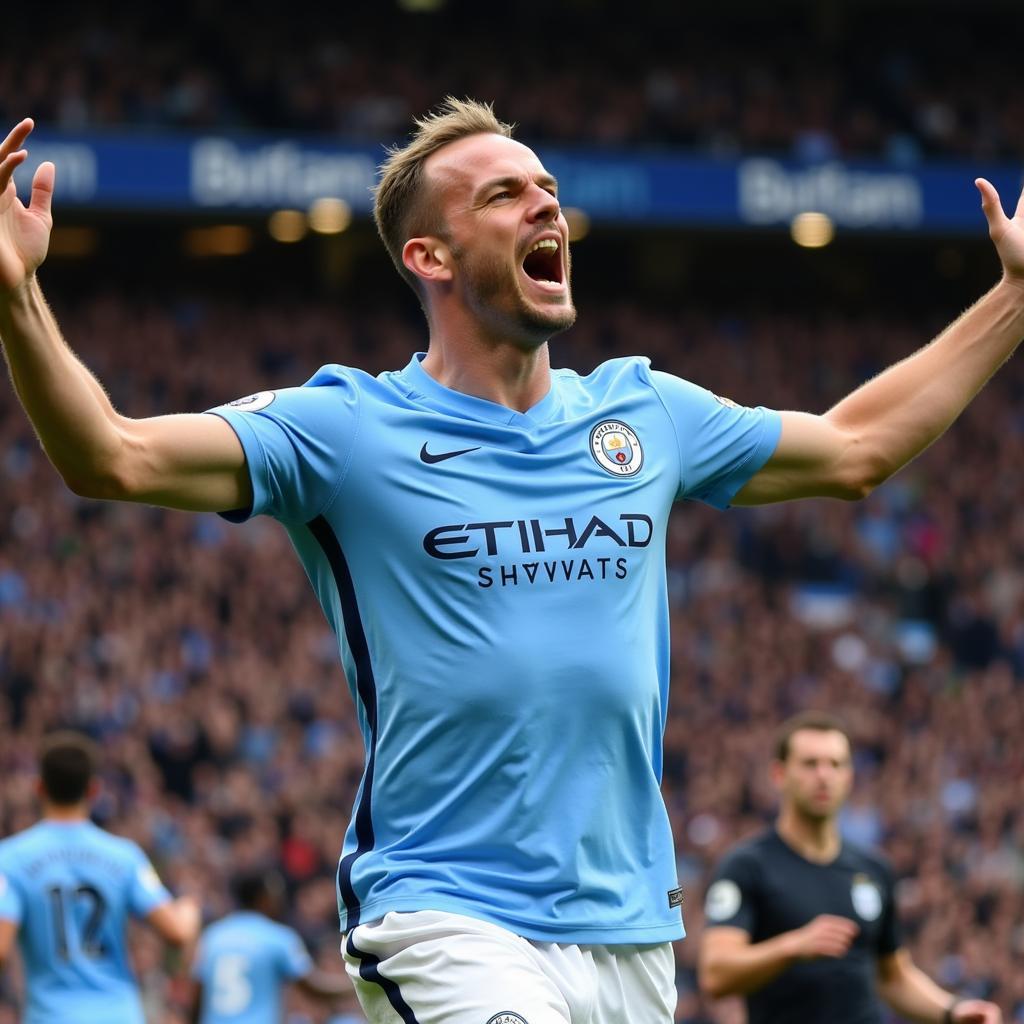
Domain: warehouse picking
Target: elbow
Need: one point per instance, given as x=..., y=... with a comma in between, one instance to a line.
x=862, y=479
x=99, y=484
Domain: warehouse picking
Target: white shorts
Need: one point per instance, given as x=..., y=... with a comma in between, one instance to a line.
x=429, y=967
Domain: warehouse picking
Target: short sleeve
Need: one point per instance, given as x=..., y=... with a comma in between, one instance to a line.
x=297, y=442
x=295, y=961
x=145, y=892
x=731, y=899
x=12, y=906
x=721, y=444
x=889, y=937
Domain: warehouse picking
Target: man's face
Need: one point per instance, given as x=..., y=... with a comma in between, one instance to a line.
x=817, y=776
x=507, y=235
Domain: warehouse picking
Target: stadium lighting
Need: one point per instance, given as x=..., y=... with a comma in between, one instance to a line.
x=812, y=230
x=222, y=240
x=330, y=216
x=421, y=6
x=287, y=226
x=578, y=221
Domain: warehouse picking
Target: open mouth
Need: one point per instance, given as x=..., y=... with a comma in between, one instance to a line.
x=543, y=263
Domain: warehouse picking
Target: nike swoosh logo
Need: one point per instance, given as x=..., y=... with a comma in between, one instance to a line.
x=430, y=460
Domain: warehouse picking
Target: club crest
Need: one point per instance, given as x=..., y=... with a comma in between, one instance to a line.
x=616, y=448
x=867, y=900
x=506, y=1017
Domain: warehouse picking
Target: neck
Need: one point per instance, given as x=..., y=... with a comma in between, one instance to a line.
x=816, y=839
x=494, y=369
x=66, y=813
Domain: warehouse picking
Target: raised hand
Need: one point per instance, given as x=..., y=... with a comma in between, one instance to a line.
x=24, y=230
x=1006, y=232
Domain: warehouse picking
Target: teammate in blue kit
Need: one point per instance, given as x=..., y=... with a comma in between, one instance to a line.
x=245, y=960
x=486, y=536
x=67, y=890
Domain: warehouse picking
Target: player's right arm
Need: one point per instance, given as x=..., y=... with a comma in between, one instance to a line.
x=193, y=462
x=730, y=964
x=177, y=922
x=8, y=933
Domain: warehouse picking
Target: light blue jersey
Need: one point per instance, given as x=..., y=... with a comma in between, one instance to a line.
x=71, y=888
x=243, y=962
x=497, y=584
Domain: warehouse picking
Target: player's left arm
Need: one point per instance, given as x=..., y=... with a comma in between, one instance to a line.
x=8, y=933
x=912, y=994
x=885, y=423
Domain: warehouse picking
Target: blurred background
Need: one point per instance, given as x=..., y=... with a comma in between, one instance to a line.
x=773, y=200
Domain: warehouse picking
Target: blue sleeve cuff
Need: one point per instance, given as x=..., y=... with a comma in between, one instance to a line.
x=771, y=429
x=255, y=461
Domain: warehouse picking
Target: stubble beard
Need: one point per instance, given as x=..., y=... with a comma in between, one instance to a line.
x=493, y=292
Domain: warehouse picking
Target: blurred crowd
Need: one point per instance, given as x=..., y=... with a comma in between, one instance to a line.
x=195, y=652
x=795, y=82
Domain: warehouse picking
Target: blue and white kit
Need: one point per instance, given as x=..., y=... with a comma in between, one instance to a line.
x=497, y=584
x=71, y=888
x=244, y=961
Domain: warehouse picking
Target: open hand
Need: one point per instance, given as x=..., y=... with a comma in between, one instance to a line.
x=1006, y=232
x=24, y=230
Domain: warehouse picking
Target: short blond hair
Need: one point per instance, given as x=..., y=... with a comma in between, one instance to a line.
x=401, y=206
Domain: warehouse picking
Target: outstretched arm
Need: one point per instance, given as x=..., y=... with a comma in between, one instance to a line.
x=911, y=993
x=190, y=461
x=177, y=922
x=892, y=418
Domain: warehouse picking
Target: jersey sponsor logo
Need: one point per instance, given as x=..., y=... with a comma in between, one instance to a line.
x=432, y=460
x=510, y=537
x=866, y=897
x=723, y=900
x=616, y=448
x=253, y=403
x=507, y=1017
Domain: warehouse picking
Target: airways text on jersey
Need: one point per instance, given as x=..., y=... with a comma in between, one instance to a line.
x=506, y=538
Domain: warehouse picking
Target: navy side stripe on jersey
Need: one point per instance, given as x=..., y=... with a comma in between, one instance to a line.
x=369, y=971
x=367, y=690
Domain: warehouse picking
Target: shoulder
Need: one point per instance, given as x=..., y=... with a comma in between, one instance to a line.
x=216, y=930
x=12, y=848
x=743, y=861
x=860, y=858
x=117, y=846
x=753, y=848
x=610, y=377
x=332, y=382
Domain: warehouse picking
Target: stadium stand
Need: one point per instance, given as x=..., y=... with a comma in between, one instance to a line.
x=199, y=660
x=786, y=80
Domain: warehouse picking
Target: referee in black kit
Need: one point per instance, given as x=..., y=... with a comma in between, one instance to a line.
x=802, y=923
